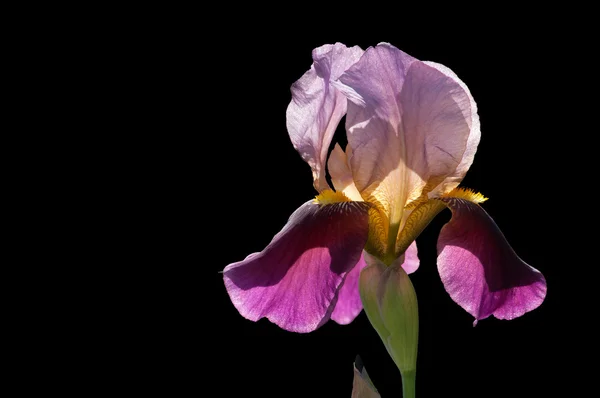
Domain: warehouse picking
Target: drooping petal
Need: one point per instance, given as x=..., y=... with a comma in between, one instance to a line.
x=317, y=108
x=349, y=305
x=407, y=123
x=294, y=281
x=411, y=259
x=480, y=270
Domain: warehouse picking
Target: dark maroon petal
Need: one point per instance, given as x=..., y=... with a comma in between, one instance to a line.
x=480, y=270
x=294, y=281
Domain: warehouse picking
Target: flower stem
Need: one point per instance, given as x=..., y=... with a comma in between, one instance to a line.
x=408, y=384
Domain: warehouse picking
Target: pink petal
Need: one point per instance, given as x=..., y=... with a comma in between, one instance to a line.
x=372, y=86
x=472, y=118
x=294, y=281
x=437, y=118
x=317, y=107
x=411, y=259
x=349, y=305
x=480, y=270
x=408, y=125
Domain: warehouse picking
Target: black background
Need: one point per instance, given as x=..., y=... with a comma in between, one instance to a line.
x=252, y=179
x=192, y=169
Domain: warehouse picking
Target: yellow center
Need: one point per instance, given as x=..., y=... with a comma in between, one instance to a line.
x=328, y=197
x=387, y=242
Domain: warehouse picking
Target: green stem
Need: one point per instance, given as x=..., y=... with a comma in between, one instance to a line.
x=408, y=384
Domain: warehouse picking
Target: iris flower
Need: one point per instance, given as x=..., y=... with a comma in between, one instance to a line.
x=412, y=130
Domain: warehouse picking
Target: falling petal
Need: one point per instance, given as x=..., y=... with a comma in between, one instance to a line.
x=294, y=281
x=480, y=270
x=411, y=259
x=348, y=304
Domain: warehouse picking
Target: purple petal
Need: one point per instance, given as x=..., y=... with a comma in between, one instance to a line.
x=408, y=125
x=317, y=107
x=373, y=86
x=411, y=259
x=294, y=281
x=349, y=305
x=480, y=270
x=472, y=118
x=437, y=119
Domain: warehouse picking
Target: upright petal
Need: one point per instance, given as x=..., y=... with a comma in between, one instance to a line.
x=317, y=107
x=373, y=125
x=480, y=270
x=294, y=281
x=341, y=176
x=408, y=125
x=452, y=180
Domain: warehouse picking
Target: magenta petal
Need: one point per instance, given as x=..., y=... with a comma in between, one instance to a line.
x=480, y=270
x=411, y=259
x=348, y=305
x=294, y=281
